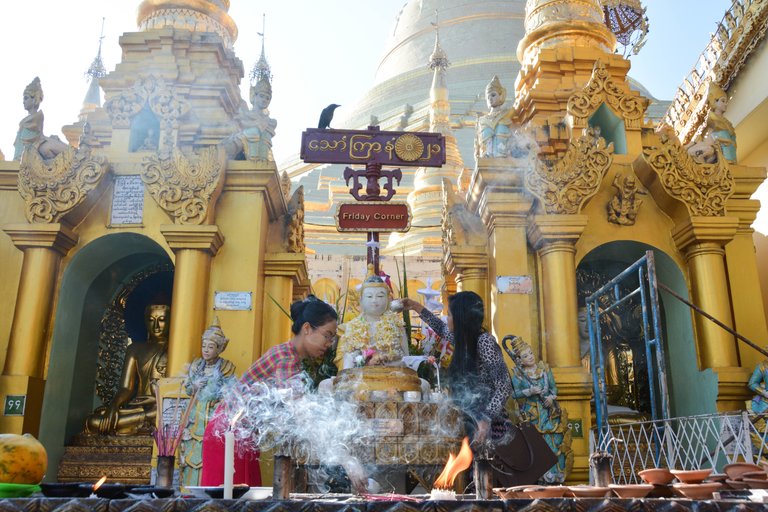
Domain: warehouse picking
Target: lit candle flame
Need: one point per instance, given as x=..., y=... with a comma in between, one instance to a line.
x=101, y=481
x=455, y=465
x=235, y=418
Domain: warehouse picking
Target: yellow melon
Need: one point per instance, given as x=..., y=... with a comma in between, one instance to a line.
x=22, y=459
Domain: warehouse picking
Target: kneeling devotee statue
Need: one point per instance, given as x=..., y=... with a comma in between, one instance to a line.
x=133, y=408
x=371, y=347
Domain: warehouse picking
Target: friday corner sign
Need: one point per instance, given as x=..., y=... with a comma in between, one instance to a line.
x=373, y=216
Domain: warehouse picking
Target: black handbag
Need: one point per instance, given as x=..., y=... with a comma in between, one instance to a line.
x=522, y=457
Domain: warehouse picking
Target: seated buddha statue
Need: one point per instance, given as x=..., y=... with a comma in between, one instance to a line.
x=372, y=346
x=133, y=408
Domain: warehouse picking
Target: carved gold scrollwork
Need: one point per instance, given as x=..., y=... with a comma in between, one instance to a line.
x=600, y=89
x=294, y=222
x=703, y=188
x=53, y=188
x=164, y=101
x=565, y=186
x=184, y=187
x=124, y=106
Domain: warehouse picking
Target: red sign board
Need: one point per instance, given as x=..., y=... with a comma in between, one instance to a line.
x=421, y=149
x=373, y=216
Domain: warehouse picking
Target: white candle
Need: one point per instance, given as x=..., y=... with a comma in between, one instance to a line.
x=229, y=463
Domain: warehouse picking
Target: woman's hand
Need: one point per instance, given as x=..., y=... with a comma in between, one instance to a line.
x=410, y=304
x=549, y=401
x=481, y=434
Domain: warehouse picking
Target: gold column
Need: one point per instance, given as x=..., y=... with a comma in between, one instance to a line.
x=554, y=238
x=282, y=272
x=43, y=246
x=470, y=266
x=194, y=246
x=702, y=239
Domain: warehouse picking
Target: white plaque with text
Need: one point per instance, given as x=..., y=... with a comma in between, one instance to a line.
x=522, y=285
x=127, y=201
x=232, y=301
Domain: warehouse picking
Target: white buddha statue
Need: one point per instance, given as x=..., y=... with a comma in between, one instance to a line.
x=372, y=346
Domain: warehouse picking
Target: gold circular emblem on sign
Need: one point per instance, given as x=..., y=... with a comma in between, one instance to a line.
x=409, y=147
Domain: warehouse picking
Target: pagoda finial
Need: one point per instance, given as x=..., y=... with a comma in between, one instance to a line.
x=438, y=59
x=97, y=70
x=261, y=70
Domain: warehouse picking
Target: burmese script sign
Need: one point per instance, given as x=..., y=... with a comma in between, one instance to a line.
x=127, y=201
x=372, y=146
x=373, y=216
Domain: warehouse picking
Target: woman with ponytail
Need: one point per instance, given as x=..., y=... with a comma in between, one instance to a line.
x=478, y=379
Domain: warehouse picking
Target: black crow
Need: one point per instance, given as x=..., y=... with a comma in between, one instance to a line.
x=326, y=116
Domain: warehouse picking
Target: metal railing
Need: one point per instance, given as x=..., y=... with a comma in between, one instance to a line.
x=689, y=442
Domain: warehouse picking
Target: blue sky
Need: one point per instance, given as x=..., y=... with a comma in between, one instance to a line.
x=320, y=52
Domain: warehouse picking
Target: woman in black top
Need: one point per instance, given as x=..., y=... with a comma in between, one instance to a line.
x=478, y=378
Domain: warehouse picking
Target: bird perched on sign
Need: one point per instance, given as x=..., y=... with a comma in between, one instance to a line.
x=326, y=116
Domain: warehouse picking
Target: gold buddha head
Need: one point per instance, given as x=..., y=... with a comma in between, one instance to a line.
x=495, y=93
x=522, y=353
x=157, y=318
x=214, y=342
x=374, y=295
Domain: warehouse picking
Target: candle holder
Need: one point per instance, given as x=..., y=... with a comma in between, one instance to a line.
x=165, y=465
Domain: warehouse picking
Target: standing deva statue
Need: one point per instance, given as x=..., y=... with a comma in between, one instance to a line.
x=205, y=378
x=534, y=388
x=495, y=128
x=254, y=140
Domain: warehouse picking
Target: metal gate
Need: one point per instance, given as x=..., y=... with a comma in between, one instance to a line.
x=640, y=280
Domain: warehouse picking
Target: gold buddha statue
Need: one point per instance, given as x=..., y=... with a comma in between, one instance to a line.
x=133, y=408
x=371, y=347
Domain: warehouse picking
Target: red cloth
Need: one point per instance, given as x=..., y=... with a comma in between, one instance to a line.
x=277, y=365
x=247, y=470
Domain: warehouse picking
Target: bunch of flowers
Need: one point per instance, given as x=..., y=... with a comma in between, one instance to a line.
x=363, y=357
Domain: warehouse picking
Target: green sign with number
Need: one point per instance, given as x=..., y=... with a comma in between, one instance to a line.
x=14, y=405
x=577, y=429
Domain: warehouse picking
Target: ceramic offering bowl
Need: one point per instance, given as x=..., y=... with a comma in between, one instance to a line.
x=697, y=491
x=631, y=490
x=589, y=491
x=656, y=476
x=755, y=483
x=735, y=470
x=691, y=476
x=754, y=475
x=545, y=491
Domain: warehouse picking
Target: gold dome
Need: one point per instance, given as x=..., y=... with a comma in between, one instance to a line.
x=564, y=23
x=195, y=15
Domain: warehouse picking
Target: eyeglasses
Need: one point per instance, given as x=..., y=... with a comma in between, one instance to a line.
x=329, y=336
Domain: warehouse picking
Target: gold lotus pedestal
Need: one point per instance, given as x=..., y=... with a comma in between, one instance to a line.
x=377, y=378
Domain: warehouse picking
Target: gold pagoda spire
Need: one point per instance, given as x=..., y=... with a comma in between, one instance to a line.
x=195, y=15
x=564, y=23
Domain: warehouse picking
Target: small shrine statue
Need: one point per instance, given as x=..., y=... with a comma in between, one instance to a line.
x=133, y=409
x=495, y=128
x=623, y=207
x=254, y=141
x=30, y=134
x=534, y=388
x=758, y=383
x=377, y=336
x=719, y=131
x=205, y=378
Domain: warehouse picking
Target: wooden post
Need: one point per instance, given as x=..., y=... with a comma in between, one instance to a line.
x=282, y=481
